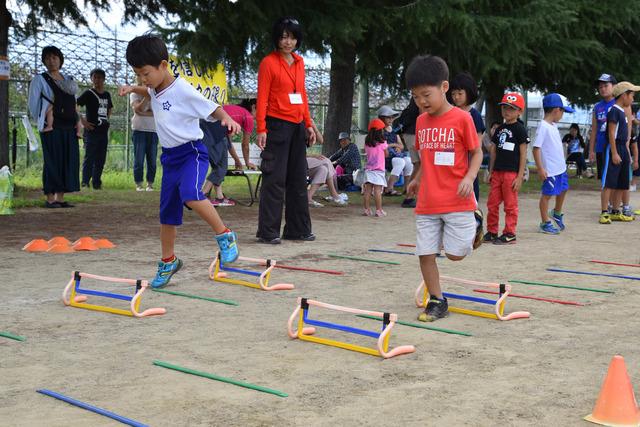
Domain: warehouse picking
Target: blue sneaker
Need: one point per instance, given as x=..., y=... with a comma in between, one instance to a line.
x=228, y=247
x=548, y=228
x=165, y=271
x=558, y=218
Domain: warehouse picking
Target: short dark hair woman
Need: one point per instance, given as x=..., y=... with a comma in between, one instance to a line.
x=284, y=124
x=60, y=152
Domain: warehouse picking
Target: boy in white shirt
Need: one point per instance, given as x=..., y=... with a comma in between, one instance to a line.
x=549, y=157
x=177, y=108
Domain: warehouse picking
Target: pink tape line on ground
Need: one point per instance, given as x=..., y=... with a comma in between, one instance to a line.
x=515, y=315
x=143, y=286
x=403, y=349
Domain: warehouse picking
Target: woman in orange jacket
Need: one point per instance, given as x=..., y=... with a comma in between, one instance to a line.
x=284, y=132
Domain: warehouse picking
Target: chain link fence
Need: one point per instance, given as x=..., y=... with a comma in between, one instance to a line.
x=82, y=53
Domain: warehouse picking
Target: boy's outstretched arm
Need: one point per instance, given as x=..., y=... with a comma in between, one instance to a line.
x=414, y=185
x=226, y=121
x=127, y=89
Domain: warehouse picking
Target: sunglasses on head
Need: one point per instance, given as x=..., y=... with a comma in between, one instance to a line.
x=291, y=21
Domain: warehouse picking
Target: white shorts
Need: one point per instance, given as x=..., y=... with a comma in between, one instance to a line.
x=401, y=166
x=376, y=178
x=455, y=231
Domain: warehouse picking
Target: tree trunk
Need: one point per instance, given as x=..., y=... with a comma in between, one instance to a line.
x=343, y=72
x=493, y=95
x=5, y=22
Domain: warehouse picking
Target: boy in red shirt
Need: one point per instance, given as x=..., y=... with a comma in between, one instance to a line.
x=450, y=157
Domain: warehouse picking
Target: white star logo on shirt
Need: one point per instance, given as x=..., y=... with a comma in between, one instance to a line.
x=166, y=105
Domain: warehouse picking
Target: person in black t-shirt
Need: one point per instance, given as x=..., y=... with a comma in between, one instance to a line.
x=506, y=170
x=96, y=129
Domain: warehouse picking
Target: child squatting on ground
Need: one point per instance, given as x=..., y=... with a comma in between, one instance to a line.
x=450, y=157
x=550, y=161
x=617, y=170
x=177, y=108
x=375, y=148
x=507, y=162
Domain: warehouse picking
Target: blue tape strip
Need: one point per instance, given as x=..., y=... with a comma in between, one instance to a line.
x=91, y=408
x=617, y=276
x=343, y=328
x=470, y=298
x=239, y=270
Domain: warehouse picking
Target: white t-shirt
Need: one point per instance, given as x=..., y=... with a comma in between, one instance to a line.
x=142, y=123
x=177, y=110
x=549, y=141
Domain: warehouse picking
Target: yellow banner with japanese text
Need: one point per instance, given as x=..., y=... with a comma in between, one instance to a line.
x=212, y=84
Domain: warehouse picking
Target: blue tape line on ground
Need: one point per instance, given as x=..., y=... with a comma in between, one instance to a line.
x=91, y=408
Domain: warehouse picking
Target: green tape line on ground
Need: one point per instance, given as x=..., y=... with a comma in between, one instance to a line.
x=524, y=282
x=417, y=325
x=363, y=259
x=180, y=294
x=12, y=336
x=219, y=378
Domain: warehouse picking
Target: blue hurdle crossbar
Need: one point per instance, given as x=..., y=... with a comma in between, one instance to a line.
x=79, y=290
x=239, y=270
x=470, y=298
x=338, y=327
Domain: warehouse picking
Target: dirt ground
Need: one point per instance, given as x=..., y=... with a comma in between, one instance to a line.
x=543, y=371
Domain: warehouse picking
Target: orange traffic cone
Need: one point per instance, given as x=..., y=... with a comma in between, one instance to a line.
x=59, y=240
x=104, y=244
x=60, y=248
x=84, y=239
x=616, y=404
x=37, y=245
x=85, y=245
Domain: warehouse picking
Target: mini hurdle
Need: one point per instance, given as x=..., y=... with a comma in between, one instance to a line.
x=306, y=334
x=422, y=298
x=217, y=272
x=77, y=297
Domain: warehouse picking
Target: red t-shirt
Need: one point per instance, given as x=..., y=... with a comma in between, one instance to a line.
x=444, y=143
x=241, y=116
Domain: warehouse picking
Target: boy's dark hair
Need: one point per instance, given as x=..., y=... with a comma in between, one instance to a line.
x=291, y=26
x=374, y=137
x=98, y=71
x=495, y=123
x=466, y=82
x=148, y=49
x=52, y=50
x=548, y=110
x=247, y=103
x=426, y=70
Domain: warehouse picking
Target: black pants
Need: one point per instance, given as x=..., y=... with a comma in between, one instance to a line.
x=581, y=165
x=61, y=158
x=284, y=180
x=95, y=154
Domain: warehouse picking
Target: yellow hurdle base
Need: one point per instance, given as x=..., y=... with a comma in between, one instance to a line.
x=101, y=308
x=340, y=344
x=237, y=282
x=473, y=312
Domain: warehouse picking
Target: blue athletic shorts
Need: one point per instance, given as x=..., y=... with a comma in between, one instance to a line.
x=617, y=177
x=555, y=185
x=184, y=169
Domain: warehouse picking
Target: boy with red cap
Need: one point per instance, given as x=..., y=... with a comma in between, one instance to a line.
x=508, y=160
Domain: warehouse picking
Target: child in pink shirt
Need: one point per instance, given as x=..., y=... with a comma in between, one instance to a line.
x=375, y=148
